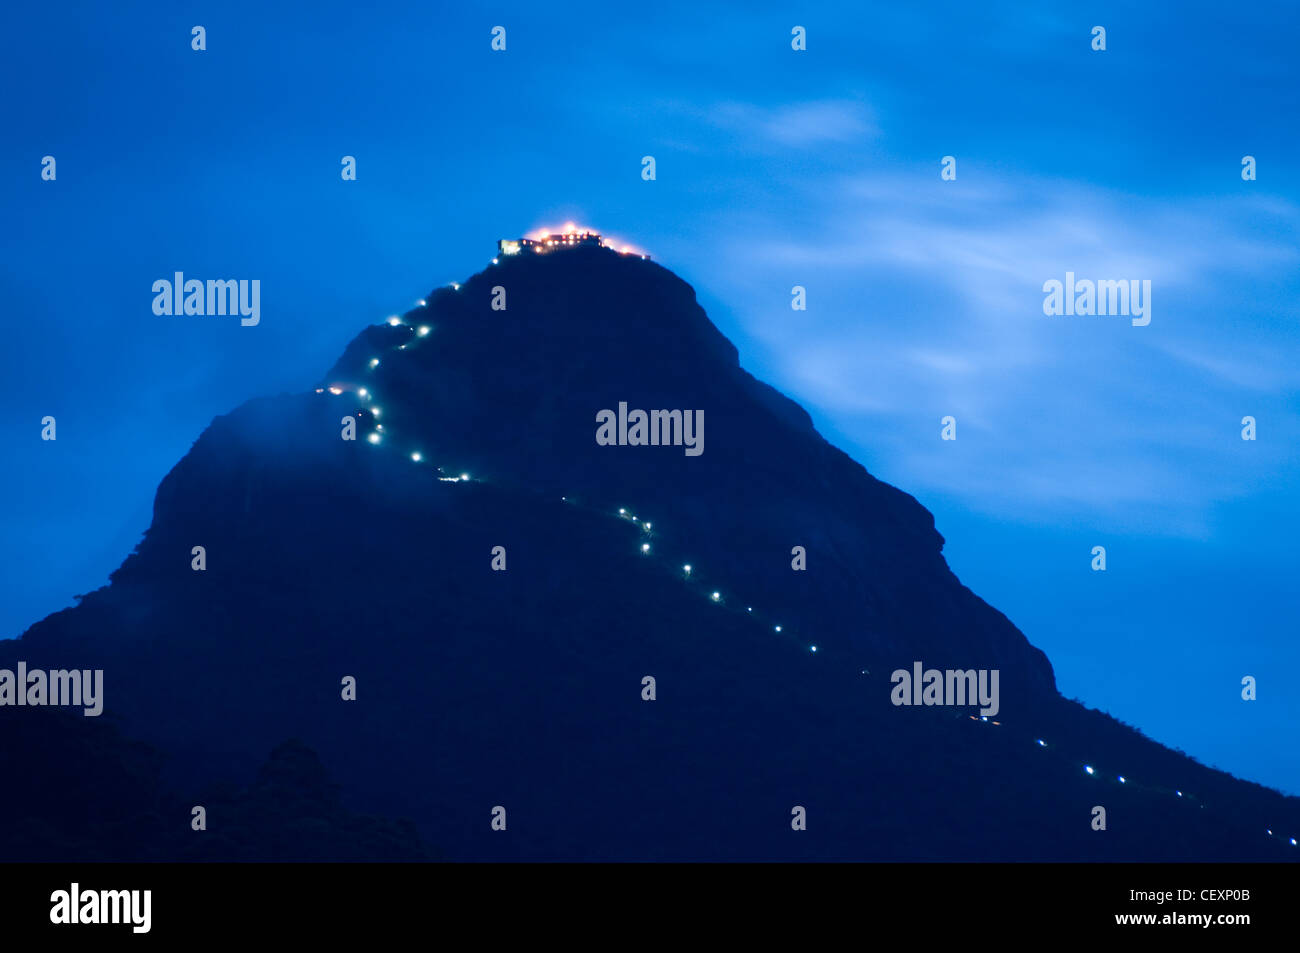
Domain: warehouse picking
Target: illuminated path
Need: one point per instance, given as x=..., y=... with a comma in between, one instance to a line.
x=378, y=436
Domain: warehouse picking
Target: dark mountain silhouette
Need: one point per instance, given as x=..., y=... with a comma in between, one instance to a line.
x=76, y=790
x=522, y=688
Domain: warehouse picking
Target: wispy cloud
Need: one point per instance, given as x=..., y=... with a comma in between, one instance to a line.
x=798, y=125
x=925, y=298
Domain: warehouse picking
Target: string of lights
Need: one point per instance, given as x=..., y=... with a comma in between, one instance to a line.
x=688, y=572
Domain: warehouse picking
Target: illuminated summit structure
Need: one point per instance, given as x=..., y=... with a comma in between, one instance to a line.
x=547, y=242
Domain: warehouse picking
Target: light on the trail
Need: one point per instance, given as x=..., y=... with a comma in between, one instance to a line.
x=394, y=321
x=621, y=511
x=464, y=476
x=645, y=547
x=778, y=628
x=716, y=596
x=363, y=392
x=647, y=525
x=1179, y=793
x=1088, y=768
x=374, y=411
x=1041, y=743
x=422, y=330
x=814, y=648
x=423, y=303
x=1121, y=780
x=373, y=438
x=336, y=391
x=374, y=362
x=687, y=568
x=416, y=457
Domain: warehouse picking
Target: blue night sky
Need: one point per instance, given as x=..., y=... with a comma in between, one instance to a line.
x=774, y=168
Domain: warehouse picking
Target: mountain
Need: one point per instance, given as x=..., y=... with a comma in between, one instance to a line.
x=477, y=688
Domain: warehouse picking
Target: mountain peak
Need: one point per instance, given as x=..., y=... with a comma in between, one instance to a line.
x=509, y=375
x=447, y=523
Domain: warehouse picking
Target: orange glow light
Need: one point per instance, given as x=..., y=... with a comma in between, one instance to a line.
x=571, y=233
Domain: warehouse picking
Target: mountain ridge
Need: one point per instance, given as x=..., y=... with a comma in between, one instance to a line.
x=329, y=558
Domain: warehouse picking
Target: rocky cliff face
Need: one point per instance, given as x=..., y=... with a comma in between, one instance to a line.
x=476, y=688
